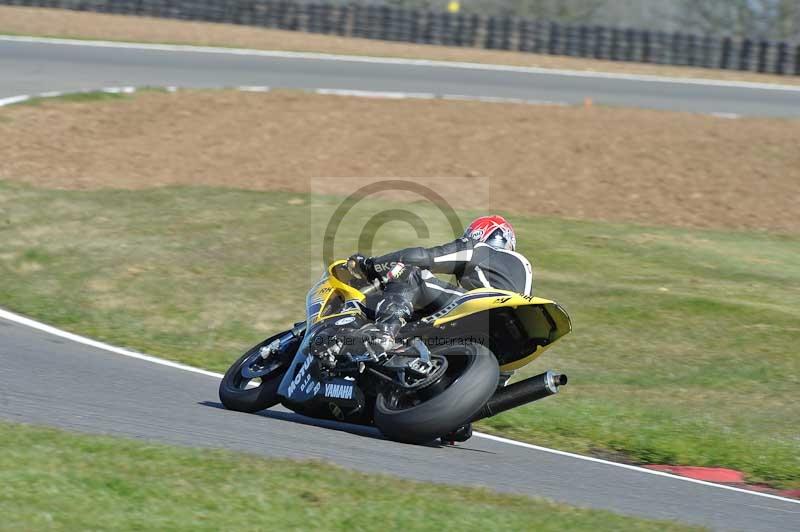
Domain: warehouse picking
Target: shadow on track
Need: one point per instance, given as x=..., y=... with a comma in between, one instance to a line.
x=358, y=430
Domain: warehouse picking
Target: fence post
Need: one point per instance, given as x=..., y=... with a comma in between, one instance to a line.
x=314, y=16
x=472, y=32
x=780, y=58
x=613, y=52
x=364, y=21
x=708, y=45
x=460, y=28
x=263, y=11
x=763, y=52
x=660, y=47
x=348, y=21
x=399, y=21
x=744, y=54
x=229, y=12
x=568, y=47
x=691, y=50
x=410, y=25
x=327, y=18
x=384, y=22
x=443, y=27
x=630, y=45
x=523, y=36
x=506, y=27
x=374, y=21
x=429, y=29
x=266, y=16
x=599, y=45
x=554, y=38
x=490, y=33
x=583, y=41
x=358, y=15
x=647, y=52
x=725, y=54
x=678, y=55
x=246, y=14
x=797, y=60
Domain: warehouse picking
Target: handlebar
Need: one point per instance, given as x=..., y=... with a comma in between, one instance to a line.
x=373, y=287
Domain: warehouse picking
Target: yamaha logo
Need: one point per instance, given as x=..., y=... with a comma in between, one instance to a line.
x=338, y=391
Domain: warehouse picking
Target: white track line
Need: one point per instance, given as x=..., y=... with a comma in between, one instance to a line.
x=729, y=116
x=406, y=62
x=389, y=95
x=14, y=99
x=632, y=467
x=253, y=88
x=22, y=320
x=55, y=94
x=33, y=324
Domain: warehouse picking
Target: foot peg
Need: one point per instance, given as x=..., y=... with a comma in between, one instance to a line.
x=420, y=368
x=461, y=434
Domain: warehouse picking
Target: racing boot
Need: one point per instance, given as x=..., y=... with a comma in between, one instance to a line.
x=380, y=337
x=391, y=314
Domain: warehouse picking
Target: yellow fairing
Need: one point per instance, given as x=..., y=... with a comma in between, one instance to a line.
x=347, y=291
x=540, y=318
x=492, y=300
x=522, y=362
x=322, y=295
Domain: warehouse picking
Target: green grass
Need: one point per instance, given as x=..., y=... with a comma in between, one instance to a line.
x=55, y=480
x=78, y=97
x=83, y=97
x=684, y=348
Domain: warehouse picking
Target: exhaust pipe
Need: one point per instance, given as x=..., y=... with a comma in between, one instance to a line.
x=520, y=393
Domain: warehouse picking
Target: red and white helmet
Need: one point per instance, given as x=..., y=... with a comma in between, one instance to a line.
x=494, y=231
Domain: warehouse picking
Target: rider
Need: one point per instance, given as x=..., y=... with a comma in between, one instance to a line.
x=483, y=257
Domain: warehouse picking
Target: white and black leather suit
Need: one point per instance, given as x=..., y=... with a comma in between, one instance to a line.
x=474, y=264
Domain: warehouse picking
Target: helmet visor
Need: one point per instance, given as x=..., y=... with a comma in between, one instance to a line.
x=498, y=240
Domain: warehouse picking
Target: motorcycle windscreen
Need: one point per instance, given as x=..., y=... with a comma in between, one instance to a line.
x=315, y=299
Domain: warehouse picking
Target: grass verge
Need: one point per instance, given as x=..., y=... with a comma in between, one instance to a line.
x=60, y=481
x=77, y=97
x=684, y=348
x=81, y=25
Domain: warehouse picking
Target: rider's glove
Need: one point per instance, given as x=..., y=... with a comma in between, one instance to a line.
x=398, y=271
x=360, y=267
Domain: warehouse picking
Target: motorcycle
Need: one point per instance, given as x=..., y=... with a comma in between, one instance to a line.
x=447, y=370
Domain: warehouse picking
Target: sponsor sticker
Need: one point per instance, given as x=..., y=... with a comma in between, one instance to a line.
x=345, y=321
x=299, y=377
x=381, y=267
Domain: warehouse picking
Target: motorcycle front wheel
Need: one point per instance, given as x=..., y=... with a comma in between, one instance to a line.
x=251, y=383
x=471, y=379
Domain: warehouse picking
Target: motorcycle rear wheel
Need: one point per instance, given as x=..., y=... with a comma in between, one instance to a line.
x=471, y=383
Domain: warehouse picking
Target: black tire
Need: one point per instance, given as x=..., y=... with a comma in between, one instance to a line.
x=451, y=408
x=235, y=396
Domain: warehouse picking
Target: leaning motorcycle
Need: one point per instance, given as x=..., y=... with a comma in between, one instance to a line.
x=444, y=373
